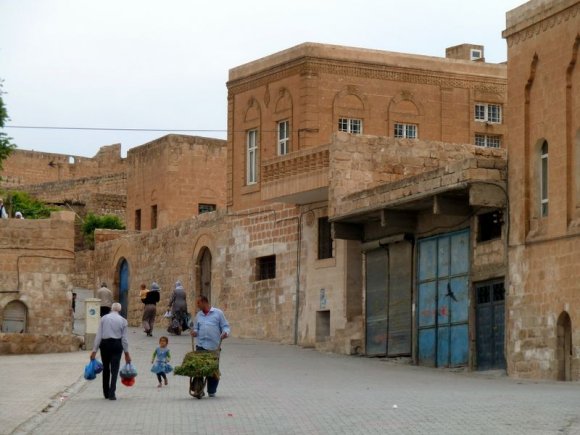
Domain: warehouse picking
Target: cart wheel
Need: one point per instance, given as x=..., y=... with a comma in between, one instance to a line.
x=196, y=387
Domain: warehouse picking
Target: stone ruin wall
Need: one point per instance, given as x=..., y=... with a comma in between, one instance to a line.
x=24, y=167
x=36, y=267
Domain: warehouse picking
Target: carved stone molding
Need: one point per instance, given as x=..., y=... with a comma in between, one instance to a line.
x=313, y=67
x=543, y=25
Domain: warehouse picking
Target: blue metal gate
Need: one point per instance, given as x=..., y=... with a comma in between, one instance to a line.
x=443, y=300
x=124, y=287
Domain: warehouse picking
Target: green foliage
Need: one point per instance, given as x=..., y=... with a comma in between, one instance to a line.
x=199, y=364
x=30, y=207
x=6, y=146
x=92, y=222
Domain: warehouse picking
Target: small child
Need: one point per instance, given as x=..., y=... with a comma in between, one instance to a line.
x=143, y=292
x=161, y=358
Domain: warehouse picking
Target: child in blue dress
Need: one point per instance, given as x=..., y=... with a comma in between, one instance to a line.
x=161, y=358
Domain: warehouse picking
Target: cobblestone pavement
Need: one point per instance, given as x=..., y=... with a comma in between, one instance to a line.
x=269, y=388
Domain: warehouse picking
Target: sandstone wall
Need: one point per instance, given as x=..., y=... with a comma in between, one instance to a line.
x=32, y=167
x=544, y=91
x=175, y=174
x=36, y=269
x=403, y=168
x=78, y=190
x=263, y=309
x=312, y=86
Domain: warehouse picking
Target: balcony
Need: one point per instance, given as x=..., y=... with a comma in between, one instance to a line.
x=297, y=178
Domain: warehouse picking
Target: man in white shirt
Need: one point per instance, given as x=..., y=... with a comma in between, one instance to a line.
x=112, y=340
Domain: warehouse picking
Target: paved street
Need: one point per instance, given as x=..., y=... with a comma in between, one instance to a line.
x=269, y=388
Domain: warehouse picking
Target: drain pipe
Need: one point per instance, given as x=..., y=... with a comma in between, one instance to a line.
x=297, y=296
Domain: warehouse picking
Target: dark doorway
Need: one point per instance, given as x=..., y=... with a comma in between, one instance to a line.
x=124, y=287
x=490, y=327
x=564, y=350
x=204, y=274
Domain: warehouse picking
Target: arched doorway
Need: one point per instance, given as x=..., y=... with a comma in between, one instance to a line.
x=204, y=273
x=14, y=320
x=123, y=280
x=564, y=349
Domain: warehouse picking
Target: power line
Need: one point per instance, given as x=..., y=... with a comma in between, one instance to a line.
x=114, y=129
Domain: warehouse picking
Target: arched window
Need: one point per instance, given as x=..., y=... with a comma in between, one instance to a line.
x=14, y=319
x=544, y=180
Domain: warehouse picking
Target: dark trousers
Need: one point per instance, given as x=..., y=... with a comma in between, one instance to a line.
x=161, y=376
x=105, y=310
x=111, y=352
x=212, y=383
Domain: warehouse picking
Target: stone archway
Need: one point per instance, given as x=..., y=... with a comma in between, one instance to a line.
x=15, y=317
x=564, y=347
x=121, y=288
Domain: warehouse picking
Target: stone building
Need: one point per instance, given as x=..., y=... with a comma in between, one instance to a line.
x=283, y=113
x=270, y=259
x=543, y=305
x=432, y=246
x=37, y=261
x=174, y=178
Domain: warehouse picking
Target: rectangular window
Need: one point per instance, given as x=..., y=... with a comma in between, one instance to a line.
x=205, y=208
x=544, y=179
x=408, y=131
x=475, y=54
x=490, y=225
x=265, y=267
x=153, y=217
x=252, y=157
x=350, y=125
x=138, y=220
x=283, y=138
x=487, y=140
x=324, y=238
x=488, y=113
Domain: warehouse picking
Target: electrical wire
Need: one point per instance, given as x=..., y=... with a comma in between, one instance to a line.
x=112, y=129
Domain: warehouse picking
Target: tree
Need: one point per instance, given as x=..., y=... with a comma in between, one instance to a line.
x=92, y=222
x=30, y=207
x=6, y=146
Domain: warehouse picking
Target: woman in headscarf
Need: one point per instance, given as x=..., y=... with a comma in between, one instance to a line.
x=150, y=309
x=178, y=307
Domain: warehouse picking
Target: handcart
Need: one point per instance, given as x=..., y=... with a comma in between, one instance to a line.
x=198, y=365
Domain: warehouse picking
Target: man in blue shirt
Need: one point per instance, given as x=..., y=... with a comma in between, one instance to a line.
x=210, y=327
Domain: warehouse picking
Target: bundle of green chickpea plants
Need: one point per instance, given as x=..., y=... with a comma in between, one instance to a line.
x=199, y=364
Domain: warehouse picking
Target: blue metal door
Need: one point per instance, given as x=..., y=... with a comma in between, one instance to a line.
x=443, y=300
x=124, y=287
x=490, y=328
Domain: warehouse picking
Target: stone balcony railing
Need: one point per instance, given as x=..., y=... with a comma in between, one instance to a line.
x=298, y=177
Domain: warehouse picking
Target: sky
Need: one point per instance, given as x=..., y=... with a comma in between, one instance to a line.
x=150, y=64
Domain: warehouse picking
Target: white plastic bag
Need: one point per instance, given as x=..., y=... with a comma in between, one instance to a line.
x=168, y=314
